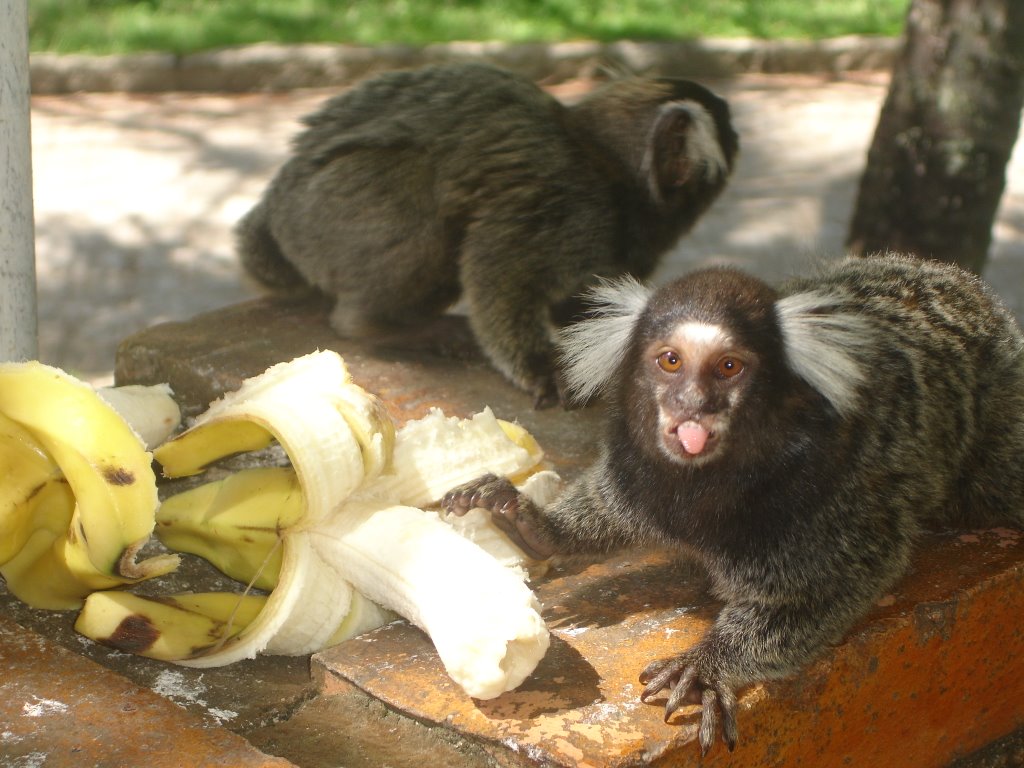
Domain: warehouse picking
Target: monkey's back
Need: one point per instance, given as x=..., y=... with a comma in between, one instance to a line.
x=394, y=186
x=942, y=414
x=481, y=128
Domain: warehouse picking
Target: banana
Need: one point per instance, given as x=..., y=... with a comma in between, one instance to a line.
x=235, y=523
x=438, y=452
x=150, y=410
x=302, y=404
x=184, y=626
x=80, y=494
x=363, y=615
x=483, y=620
x=339, y=538
x=26, y=469
x=168, y=629
x=302, y=614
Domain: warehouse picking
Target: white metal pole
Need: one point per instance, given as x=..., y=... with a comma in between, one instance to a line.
x=17, y=233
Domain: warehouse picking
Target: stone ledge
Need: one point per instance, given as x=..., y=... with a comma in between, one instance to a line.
x=933, y=674
x=272, y=67
x=64, y=711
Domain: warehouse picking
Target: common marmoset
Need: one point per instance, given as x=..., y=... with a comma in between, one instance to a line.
x=795, y=441
x=419, y=186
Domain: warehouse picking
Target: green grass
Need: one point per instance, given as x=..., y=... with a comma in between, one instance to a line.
x=184, y=26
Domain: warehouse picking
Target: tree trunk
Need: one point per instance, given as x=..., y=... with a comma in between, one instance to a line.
x=17, y=248
x=936, y=168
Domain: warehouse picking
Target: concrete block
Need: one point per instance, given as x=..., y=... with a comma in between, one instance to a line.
x=61, y=710
x=934, y=673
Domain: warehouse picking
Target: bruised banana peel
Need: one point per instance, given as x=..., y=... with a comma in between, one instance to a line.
x=357, y=531
x=79, y=494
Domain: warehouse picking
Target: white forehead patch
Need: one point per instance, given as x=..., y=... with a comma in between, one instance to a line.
x=697, y=334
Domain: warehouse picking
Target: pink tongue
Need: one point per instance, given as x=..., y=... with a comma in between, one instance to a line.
x=692, y=436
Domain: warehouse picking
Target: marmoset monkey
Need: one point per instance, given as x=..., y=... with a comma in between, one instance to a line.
x=794, y=441
x=420, y=186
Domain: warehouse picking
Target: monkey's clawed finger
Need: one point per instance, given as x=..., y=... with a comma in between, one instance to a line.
x=688, y=687
x=708, y=720
x=507, y=506
x=546, y=399
x=488, y=492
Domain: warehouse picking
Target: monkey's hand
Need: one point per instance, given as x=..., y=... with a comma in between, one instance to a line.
x=512, y=511
x=693, y=678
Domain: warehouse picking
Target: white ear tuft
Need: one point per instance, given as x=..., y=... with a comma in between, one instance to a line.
x=825, y=345
x=591, y=350
x=703, y=149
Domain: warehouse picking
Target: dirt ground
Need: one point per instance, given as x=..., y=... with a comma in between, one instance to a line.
x=136, y=195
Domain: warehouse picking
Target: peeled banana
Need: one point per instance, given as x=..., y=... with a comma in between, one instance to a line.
x=355, y=530
x=483, y=620
x=236, y=523
x=334, y=432
x=79, y=494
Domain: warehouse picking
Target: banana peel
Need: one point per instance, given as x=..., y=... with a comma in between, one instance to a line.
x=79, y=493
x=357, y=544
x=227, y=522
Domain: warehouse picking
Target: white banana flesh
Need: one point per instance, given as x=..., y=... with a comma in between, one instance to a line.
x=469, y=447
x=359, y=545
x=483, y=620
x=150, y=411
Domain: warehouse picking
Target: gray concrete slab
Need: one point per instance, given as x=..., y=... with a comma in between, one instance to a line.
x=135, y=197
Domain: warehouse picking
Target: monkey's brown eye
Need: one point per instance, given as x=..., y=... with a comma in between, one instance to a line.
x=729, y=367
x=670, y=361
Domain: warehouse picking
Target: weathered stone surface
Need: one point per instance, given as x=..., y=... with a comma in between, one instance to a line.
x=241, y=697
x=59, y=709
x=932, y=674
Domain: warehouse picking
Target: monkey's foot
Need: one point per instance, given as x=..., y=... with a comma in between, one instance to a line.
x=545, y=390
x=511, y=510
x=691, y=679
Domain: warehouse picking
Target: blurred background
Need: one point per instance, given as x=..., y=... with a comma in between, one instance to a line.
x=136, y=193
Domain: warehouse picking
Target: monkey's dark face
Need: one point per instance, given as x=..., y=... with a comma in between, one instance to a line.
x=705, y=367
x=698, y=374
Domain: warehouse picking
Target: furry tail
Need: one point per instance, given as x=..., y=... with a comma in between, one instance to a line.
x=261, y=255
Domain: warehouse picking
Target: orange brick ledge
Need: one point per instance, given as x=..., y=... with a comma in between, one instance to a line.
x=62, y=710
x=934, y=673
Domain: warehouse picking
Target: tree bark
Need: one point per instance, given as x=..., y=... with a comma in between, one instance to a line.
x=17, y=233
x=936, y=168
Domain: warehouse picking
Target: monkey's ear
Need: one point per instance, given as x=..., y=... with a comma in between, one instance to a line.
x=683, y=142
x=826, y=345
x=590, y=351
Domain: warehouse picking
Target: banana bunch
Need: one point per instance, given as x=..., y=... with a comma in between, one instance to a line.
x=78, y=496
x=339, y=539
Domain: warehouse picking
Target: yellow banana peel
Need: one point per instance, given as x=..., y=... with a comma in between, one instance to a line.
x=79, y=492
x=235, y=523
x=171, y=628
